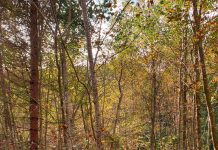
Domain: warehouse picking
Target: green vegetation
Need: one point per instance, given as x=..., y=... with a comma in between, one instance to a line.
x=107, y=74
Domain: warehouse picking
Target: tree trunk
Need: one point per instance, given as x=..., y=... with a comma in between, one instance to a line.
x=120, y=100
x=4, y=98
x=153, y=104
x=65, y=98
x=197, y=97
x=47, y=109
x=208, y=97
x=199, y=45
x=180, y=104
x=34, y=76
x=184, y=90
x=119, y=104
x=197, y=79
x=60, y=91
x=60, y=94
x=6, y=111
x=99, y=145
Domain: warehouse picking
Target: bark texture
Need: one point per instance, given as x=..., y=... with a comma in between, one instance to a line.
x=34, y=76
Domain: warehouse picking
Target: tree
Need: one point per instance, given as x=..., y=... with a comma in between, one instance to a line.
x=98, y=120
x=199, y=44
x=108, y=74
x=34, y=76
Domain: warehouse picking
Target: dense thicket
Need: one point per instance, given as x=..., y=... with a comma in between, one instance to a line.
x=77, y=74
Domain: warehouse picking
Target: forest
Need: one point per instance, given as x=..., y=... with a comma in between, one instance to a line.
x=108, y=75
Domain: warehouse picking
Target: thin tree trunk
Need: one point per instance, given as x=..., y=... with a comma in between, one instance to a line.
x=6, y=112
x=120, y=100
x=60, y=94
x=34, y=76
x=160, y=124
x=99, y=145
x=40, y=37
x=6, y=102
x=14, y=132
x=46, y=110
x=66, y=103
x=208, y=135
x=40, y=105
x=104, y=94
x=84, y=124
x=60, y=89
x=180, y=104
x=194, y=135
x=153, y=105
x=184, y=90
x=119, y=104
